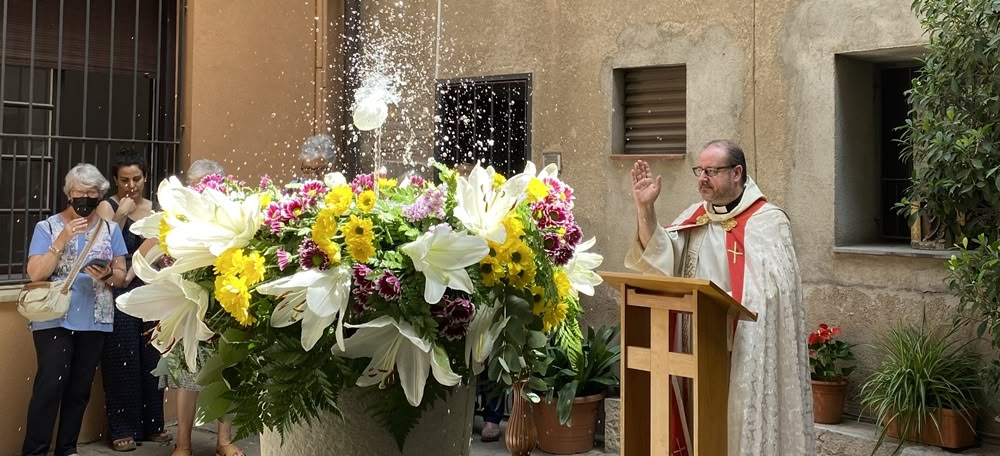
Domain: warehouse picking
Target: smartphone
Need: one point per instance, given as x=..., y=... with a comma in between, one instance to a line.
x=99, y=262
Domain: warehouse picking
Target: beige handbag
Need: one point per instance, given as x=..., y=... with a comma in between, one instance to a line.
x=48, y=300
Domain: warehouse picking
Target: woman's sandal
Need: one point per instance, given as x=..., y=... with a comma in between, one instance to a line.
x=162, y=436
x=126, y=444
x=229, y=449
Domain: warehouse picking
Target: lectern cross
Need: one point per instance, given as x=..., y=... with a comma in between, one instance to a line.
x=735, y=251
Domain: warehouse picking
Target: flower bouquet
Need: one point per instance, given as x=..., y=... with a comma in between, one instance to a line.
x=303, y=292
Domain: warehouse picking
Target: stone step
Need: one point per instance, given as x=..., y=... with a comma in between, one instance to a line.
x=850, y=438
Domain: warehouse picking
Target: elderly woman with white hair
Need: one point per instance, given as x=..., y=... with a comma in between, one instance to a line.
x=69, y=348
x=316, y=157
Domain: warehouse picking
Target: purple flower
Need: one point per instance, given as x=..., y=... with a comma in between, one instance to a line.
x=311, y=256
x=431, y=202
x=361, y=273
x=264, y=182
x=453, y=316
x=573, y=234
x=283, y=259
x=562, y=255
x=454, y=332
x=461, y=310
x=388, y=286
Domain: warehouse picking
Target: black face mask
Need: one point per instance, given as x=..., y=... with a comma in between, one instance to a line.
x=84, y=205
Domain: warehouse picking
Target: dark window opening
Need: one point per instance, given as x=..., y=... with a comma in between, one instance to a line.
x=486, y=120
x=893, y=83
x=78, y=82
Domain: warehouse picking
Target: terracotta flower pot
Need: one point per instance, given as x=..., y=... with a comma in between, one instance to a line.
x=955, y=430
x=555, y=438
x=828, y=401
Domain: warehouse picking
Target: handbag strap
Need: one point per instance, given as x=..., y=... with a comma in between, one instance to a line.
x=80, y=258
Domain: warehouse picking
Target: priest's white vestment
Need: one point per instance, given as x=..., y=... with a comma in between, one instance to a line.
x=748, y=252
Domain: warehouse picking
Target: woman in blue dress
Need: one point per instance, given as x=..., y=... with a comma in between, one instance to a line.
x=68, y=348
x=133, y=395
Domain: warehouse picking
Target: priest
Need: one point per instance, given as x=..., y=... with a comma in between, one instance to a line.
x=741, y=242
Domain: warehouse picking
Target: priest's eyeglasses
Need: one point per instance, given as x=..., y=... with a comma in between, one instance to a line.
x=710, y=171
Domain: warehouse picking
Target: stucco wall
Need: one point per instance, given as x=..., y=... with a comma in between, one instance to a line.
x=249, y=83
x=762, y=73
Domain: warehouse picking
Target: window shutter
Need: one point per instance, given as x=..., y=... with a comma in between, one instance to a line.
x=74, y=34
x=655, y=110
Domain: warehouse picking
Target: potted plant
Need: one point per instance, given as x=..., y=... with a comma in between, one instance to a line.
x=576, y=381
x=924, y=389
x=828, y=373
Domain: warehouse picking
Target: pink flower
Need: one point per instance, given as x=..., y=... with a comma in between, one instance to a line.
x=283, y=259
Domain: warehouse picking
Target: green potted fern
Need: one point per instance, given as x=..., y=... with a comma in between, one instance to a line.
x=576, y=381
x=924, y=388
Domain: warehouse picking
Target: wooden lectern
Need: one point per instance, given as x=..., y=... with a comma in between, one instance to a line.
x=648, y=304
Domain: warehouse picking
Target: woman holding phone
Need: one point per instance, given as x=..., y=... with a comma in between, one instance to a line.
x=68, y=348
x=133, y=395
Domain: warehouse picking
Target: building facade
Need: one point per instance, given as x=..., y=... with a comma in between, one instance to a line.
x=811, y=89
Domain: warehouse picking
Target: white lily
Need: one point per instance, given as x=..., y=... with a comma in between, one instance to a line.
x=394, y=345
x=550, y=170
x=442, y=255
x=313, y=297
x=482, y=208
x=580, y=268
x=179, y=306
x=200, y=226
x=483, y=333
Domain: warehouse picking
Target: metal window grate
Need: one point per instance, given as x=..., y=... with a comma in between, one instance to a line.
x=655, y=112
x=484, y=119
x=79, y=80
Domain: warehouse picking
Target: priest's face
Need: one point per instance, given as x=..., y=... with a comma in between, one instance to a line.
x=725, y=185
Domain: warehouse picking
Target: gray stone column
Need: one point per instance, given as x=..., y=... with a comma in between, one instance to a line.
x=445, y=429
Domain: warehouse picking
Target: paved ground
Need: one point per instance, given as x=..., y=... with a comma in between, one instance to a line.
x=204, y=445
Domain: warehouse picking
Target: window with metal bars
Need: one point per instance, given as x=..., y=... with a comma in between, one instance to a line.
x=652, y=111
x=486, y=120
x=79, y=80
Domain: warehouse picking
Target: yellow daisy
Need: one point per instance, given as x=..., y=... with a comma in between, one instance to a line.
x=252, y=268
x=339, y=198
x=563, y=286
x=234, y=296
x=537, y=190
x=366, y=200
x=498, y=180
x=229, y=262
x=554, y=316
x=491, y=270
x=358, y=236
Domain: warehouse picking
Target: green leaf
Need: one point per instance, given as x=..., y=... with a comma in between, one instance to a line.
x=213, y=403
